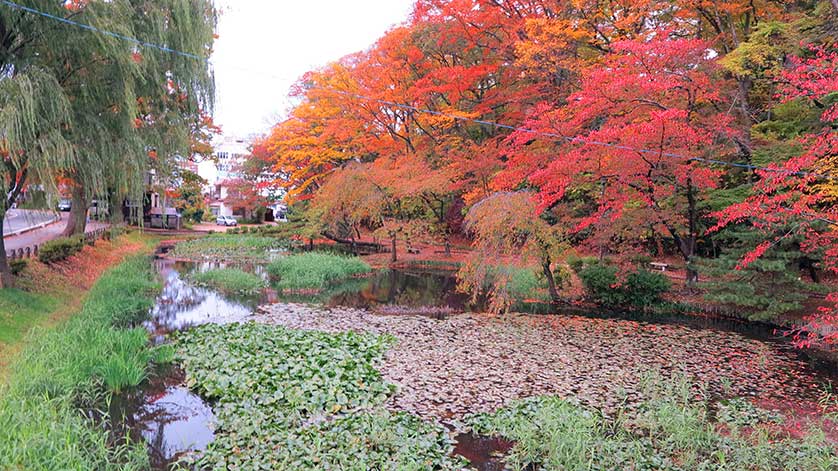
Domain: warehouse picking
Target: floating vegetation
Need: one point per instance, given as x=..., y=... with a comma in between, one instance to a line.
x=289, y=399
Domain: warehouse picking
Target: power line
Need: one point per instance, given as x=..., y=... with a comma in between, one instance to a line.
x=94, y=29
x=552, y=136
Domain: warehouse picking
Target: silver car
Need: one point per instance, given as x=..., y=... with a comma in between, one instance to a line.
x=226, y=221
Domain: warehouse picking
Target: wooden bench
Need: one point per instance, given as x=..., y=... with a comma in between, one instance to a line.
x=659, y=266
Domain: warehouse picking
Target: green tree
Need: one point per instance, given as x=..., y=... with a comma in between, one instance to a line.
x=33, y=112
x=142, y=111
x=776, y=283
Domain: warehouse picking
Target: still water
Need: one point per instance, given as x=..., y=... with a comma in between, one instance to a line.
x=175, y=422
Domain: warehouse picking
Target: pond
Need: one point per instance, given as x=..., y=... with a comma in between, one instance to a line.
x=174, y=421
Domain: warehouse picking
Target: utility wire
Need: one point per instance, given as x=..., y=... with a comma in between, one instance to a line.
x=94, y=29
x=552, y=136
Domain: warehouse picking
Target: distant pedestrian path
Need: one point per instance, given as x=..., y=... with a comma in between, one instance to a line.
x=39, y=236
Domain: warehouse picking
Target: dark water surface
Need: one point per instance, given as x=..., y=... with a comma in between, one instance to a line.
x=175, y=422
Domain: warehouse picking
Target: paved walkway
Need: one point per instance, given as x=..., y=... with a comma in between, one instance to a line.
x=20, y=219
x=39, y=236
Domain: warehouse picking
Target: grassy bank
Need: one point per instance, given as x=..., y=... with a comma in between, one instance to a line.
x=290, y=399
x=65, y=371
x=671, y=430
x=48, y=294
x=229, y=280
x=315, y=270
x=20, y=310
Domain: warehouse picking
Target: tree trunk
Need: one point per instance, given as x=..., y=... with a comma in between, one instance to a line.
x=687, y=245
x=77, y=221
x=393, y=248
x=551, y=282
x=6, y=280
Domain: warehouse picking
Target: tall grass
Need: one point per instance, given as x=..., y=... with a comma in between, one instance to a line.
x=670, y=431
x=73, y=368
x=226, y=246
x=314, y=270
x=229, y=280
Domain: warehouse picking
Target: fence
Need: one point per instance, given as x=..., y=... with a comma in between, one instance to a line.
x=103, y=233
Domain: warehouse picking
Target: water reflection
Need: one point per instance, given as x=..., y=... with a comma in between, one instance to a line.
x=172, y=420
x=483, y=453
x=182, y=305
x=391, y=287
x=164, y=413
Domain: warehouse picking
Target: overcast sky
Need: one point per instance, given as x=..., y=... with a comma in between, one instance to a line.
x=265, y=45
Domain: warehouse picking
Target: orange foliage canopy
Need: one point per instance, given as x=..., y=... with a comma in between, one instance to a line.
x=611, y=116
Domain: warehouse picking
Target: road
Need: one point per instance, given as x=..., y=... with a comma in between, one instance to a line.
x=17, y=219
x=39, y=236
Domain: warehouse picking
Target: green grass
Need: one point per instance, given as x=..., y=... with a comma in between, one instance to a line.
x=290, y=399
x=229, y=280
x=314, y=270
x=671, y=431
x=20, y=311
x=230, y=247
x=74, y=367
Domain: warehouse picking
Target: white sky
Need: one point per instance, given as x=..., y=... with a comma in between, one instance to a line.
x=265, y=45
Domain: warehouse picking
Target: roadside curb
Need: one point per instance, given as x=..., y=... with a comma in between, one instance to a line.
x=42, y=225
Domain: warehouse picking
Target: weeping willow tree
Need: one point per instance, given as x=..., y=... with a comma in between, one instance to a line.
x=33, y=115
x=132, y=107
x=93, y=110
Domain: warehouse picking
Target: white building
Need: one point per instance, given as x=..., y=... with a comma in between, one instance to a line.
x=229, y=152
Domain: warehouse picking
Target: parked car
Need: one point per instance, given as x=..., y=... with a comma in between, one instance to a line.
x=64, y=204
x=226, y=221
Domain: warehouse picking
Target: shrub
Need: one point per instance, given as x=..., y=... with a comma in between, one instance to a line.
x=315, y=270
x=638, y=290
x=60, y=249
x=578, y=263
x=17, y=266
x=116, y=231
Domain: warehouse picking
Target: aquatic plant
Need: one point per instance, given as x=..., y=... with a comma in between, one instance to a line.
x=315, y=270
x=74, y=367
x=290, y=399
x=229, y=280
x=228, y=247
x=669, y=431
